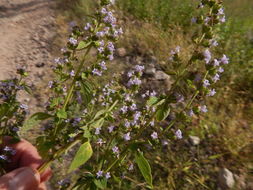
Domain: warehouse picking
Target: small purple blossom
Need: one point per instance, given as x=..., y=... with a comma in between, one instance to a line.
x=216, y=63
x=107, y=175
x=115, y=150
x=72, y=73
x=154, y=135
x=111, y=128
x=97, y=72
x=127, y=136
x=212, y=92
x=190, y=113
x=178, y=134
x=220, y=70
x=97, y=131
x=124, y=109
x=206, y=83
x=224, y=59
x=203, y=109
x=99, y=174
x=73, y=41
x=216, y=77
x=207, y=56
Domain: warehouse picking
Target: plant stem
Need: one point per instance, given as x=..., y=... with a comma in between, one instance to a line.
x=58, y=153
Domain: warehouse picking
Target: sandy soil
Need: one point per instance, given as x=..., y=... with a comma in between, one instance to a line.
x=27, y=31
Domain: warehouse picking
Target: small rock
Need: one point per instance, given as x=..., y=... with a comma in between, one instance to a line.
x=40, y=64
x=121, y=52
x=150, y=71
x=226, y=178
x=194, y=140
x=160, y=75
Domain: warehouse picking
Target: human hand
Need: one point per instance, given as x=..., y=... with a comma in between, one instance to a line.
x=22, y=168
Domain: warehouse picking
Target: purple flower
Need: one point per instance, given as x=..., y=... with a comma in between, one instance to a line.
x=124, y=109
x=97, y=131
x=87, y=26
x=137, y=115
x=133, y=107
x=224, y=59
x=207, y=56
x=179, y=97
x=214, y=43
x=203, y=109
x=194, y=20
x=127, y=124
x=24, y=106
x=127, y=136
x=73, y=41
x=223, y=19
x=154, y=135
x=100, y=142
x=107, y=175
x=131, y=167
x=212, y=92
x=111, y=128
x=178, y=134
x=50, y=84
x=97, y=72
x=99, y=174
x=216, y=77
x=103, y=65
x=220, y=70
x=3, y=157
x=115, y=150
x=72, y=73
x=216, y=63
x=139, y=68
x=190, y=113
x=206, y=83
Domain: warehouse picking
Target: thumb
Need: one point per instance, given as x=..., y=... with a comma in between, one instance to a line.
x=24, y=178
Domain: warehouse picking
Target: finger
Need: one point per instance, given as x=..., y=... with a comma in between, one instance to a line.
x=20, y=179
x=42, y=186
x=27, y=155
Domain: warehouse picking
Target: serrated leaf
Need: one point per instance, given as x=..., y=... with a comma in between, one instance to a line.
x=82, y=156
x=62, y=114
x=144, y=168
x=34, y=120
x=162, y=112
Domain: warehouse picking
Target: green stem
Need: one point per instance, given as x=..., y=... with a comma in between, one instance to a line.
x=58, y=153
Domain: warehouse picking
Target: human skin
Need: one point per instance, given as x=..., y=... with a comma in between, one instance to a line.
x=22, y=171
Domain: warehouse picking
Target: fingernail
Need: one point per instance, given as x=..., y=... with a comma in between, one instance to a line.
x=26, y=179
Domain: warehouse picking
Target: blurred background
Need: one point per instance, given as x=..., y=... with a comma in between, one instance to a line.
x=217, y=149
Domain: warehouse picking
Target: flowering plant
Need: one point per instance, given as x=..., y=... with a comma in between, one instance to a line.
x=114, y=123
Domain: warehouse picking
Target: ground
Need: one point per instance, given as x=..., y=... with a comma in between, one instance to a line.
x=27, y=31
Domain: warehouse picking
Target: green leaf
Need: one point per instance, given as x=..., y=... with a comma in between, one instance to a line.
x=34, y=120
x=144, y=167
x=152, y=100
x=162, y=112
x=98, y=123
x=99, y=113
x=82, y=156
x=100, y=183
x=62, y=114
x=83, y=45
x=86, y=91
x=3, y=109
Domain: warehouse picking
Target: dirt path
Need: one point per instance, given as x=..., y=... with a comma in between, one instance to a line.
x=27, y=30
